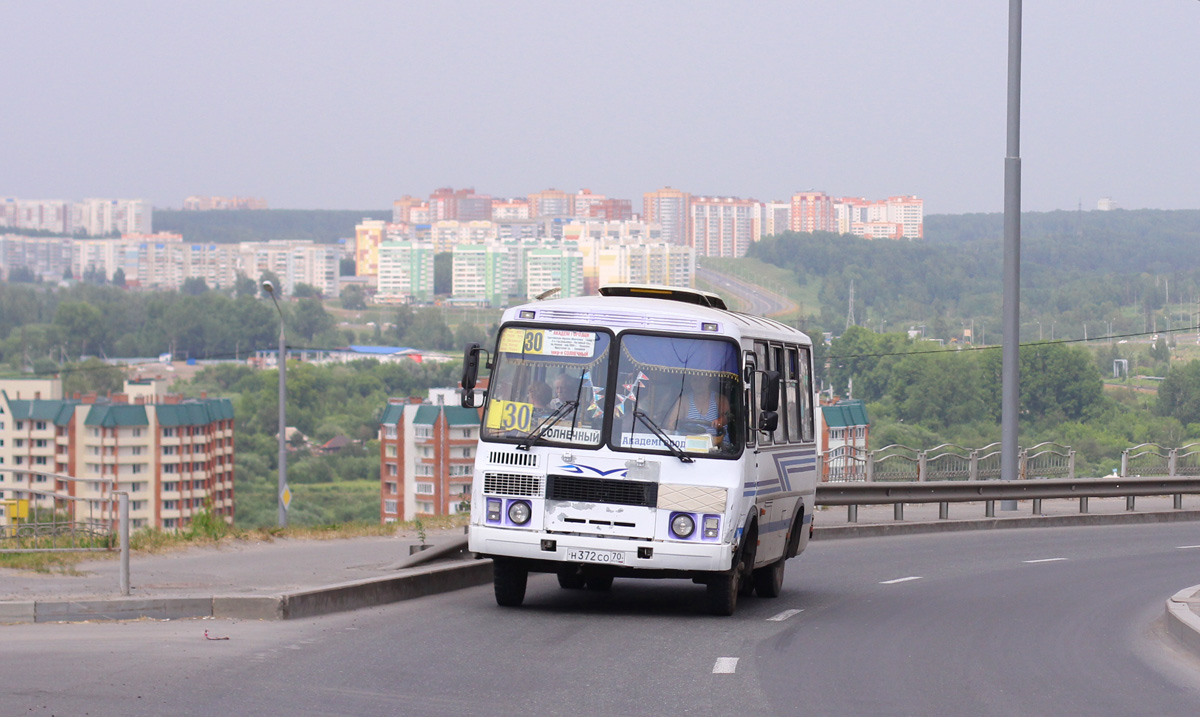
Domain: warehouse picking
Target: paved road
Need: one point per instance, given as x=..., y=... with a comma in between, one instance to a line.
x=948, y=623
x=760, y=302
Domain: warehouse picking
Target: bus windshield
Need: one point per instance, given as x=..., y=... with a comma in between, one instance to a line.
x=548, y=385
x=685, y=390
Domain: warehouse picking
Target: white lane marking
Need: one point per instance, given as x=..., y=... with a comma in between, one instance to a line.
x=784, y=615
x=1044, y=560
x=1187, y=547
x=900, y=580
x=725, y=666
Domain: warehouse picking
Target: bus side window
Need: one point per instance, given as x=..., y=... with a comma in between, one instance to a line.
x=763, y=356
x=791, y=383
x=781, y=433
x=806, y=396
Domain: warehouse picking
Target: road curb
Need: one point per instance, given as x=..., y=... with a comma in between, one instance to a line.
x=339, y=597
x=1182, y=621
x=834, y=532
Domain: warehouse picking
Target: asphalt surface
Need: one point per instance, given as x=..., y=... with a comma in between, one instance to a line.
x=1019, y=621
x=760, y=302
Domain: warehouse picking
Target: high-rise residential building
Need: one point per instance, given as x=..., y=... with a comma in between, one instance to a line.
x=48, y=258
x=909, y=212
x=584, y=201
x=668, y=208
x=551, y=203
x=99, y=217
x=548, y=268
x=45, y=215
x=206, y=203
x=485, y=273
x=463, y=204
x=427, y=459
x=295, y=262
x=174, y=456
x=368, y=235
x=450, y=232
x=405, y=272
x=899, y=217
x=404, y=207
x=724, y=226
x=607, y=262
x=509, y=209
x=777, y=217
x=625, y=231
x=813, y=212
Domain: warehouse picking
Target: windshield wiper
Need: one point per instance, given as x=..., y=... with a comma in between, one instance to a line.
x=658, y=432
x=546, y=423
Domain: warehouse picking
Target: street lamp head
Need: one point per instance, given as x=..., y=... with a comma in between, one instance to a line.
x=268, y=287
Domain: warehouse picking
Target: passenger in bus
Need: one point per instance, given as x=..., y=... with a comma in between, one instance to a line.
x=565, y=388
x=540, y=395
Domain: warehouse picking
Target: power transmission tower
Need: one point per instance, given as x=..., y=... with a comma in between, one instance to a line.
x=850, y=314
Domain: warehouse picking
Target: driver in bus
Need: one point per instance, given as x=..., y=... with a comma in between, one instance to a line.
x=539, y=396
x=701, y=402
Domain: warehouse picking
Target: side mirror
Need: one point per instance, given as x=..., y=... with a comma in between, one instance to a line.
x=470, y=374
x=769, y=398
x=768, y=421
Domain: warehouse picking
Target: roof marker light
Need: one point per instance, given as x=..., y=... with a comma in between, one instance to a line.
x=526, y=314
x=706, y=326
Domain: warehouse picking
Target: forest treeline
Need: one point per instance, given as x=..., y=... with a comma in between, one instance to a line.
x=322, y=226
x=1131, y=270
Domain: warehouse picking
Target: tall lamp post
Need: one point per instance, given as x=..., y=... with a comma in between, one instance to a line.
x=1010, y=391
x=282, y=363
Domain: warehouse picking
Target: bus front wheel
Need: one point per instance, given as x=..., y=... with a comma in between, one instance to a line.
x=723, y=593
x=768, y=581
x=509, y=578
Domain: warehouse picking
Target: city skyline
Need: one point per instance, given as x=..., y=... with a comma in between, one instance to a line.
x=761, y=101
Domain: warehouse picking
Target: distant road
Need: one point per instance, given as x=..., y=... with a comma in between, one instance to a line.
x=760, y=301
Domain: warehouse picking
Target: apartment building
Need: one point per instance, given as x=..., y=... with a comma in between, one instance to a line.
x=404, y=208
x=551, y=203
x=589, y=205
x=94, y=217
x=813, y=212
x=46, y=257
x=625, y=230
x=607, y=262
x=405, y=272
x=559, y=268
x=508, y=209
x=174, y=456
x=723, y=226
x=669, y=209
x=427, y=458
x=368, y=235
x=776, y=217
x=844, y=431
x=463, y=204
x=486, y=274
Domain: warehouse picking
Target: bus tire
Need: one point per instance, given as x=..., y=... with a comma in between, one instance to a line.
x=746, y=561
x=768, y=581
x=509, y=578
x=723, y=592
x=570, y=577
x=600, y=582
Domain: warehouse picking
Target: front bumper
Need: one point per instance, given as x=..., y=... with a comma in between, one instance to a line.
x=688, y=557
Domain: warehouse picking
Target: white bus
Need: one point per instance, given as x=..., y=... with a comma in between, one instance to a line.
x=646, y=432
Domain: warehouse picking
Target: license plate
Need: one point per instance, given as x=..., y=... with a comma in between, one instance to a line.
x=606, y=557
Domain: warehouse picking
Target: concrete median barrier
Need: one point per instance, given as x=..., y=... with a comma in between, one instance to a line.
x=1183, y=622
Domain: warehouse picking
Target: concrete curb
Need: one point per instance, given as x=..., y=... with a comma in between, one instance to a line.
x=1182, y=621
x=833, y=532
x=339, y=597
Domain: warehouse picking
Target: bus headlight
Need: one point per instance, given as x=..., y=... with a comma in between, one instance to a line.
x=493, y=510
x=682, y=525
x=519, y=512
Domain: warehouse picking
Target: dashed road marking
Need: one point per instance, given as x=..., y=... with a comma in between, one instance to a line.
x=784, y=615
x=725, y=666
x=900, y=580
x=1043, y=560
x=1187, y=547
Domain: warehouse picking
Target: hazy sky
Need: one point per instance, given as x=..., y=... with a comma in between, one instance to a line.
x=349, y=105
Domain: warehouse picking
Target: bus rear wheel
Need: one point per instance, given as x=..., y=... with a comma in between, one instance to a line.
x=768, y=581
x=509, y=578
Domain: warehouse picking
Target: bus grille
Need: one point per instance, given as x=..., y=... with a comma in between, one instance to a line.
x=512, y=484
x=513, y=459
x=601, y=490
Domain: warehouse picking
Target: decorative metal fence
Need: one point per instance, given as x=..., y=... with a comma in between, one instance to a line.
x=68, y=524
x=946, y=462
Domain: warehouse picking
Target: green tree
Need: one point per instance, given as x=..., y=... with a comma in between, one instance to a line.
x=92, y=375
x=194, y=286
x=305, y=291
x=354, y=298
x=118, y=277
x=80, y=325
x=245, y=286
x=1179, y=394
x=310, y=319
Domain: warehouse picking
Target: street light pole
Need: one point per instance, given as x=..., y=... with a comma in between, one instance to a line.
x=1010, y=373
x=282, y=364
